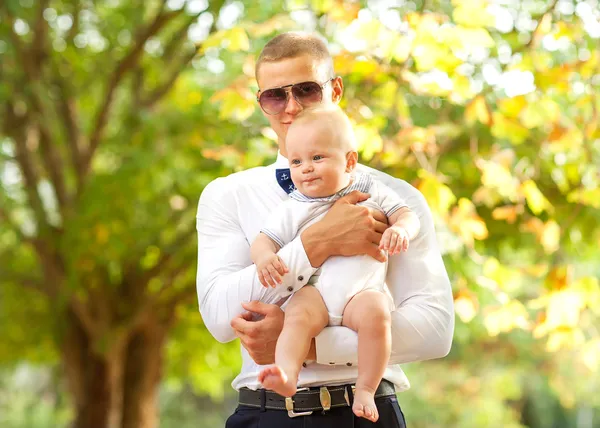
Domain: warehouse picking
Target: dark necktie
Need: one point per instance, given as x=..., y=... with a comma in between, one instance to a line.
x=285, y=180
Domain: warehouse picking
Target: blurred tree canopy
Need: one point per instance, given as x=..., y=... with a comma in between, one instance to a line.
x=116, y=114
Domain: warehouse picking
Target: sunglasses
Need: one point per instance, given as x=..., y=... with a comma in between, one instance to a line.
x=274, y=100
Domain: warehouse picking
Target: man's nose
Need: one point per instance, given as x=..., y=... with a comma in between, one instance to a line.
x=292, y=107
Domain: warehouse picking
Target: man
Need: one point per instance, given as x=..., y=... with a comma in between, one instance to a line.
x=295, y=71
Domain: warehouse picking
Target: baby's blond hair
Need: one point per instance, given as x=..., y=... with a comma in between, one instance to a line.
x=334, y=119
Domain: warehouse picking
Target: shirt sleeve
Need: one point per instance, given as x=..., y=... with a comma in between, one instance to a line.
x=388, y=199
x=281, y=226
x=226, y=276
x=423, y=321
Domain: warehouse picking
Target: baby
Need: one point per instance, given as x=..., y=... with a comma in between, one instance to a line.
x=348, y=291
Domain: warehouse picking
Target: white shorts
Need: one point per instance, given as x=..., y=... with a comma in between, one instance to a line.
x=343, y=277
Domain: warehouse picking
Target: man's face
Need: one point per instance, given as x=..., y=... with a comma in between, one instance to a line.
x=290, y=71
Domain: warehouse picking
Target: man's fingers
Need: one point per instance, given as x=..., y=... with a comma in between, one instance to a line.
x=355, y=197
x=379, y=226
x=379, y=217
x=256, y=307
x=240, y=325
x=377, y=253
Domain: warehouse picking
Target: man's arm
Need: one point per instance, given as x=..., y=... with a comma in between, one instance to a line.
x=226, y=276
x=423, y=322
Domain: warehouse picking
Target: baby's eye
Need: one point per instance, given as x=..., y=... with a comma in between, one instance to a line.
x=317, y=157
x=295, y=162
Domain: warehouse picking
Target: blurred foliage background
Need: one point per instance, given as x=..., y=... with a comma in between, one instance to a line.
x=115, y=114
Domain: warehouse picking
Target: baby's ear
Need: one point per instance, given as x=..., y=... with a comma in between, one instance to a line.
x=351, y=160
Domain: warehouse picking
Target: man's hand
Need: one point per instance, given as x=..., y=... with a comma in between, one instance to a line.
x=346, y=230
x=259, y=337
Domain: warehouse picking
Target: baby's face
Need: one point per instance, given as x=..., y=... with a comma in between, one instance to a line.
x=318, y=165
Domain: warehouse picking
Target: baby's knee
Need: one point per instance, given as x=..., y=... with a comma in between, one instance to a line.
x=375, y=308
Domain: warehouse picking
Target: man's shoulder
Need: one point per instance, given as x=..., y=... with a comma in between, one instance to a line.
x=396, y=184
x=237, y=181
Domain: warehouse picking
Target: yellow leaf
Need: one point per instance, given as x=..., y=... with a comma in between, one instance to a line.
x=498, y=177
x=590, y=197
x=238, y=40
x=591, y=355
x=102, y=234
x=557, y=278
x=536, y=201
x=467, y=223
x=564, y=338
x=466, y=39
x=508, y=213
x=438, y=195
x=472, y=13
x=512, y=107
x=540, y=113
x=477, y=110
x=509, y=129
x=506, y=318
x=369, y=141
x=466, y=305
x=550, y=237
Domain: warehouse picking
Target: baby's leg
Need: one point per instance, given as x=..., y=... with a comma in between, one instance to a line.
x=368, y=314
x=305, y=317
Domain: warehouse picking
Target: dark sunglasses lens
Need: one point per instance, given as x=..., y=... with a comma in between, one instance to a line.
x=307, y=93
x=273, y=101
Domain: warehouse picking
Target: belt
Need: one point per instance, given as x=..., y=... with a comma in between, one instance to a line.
x=308, y=400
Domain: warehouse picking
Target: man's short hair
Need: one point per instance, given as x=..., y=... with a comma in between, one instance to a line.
x=336, y=121
x=295, y=44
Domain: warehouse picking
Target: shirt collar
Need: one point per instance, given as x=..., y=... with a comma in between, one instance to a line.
x=361, y=182
x=281, y=161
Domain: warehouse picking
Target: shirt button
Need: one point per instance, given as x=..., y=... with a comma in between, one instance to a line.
x=300, y=278
x=303, y=364
x=349, y=364
x=290, y=289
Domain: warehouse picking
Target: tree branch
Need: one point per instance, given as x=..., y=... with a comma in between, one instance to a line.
x=14, y=127
x=163, y=89
x=5, y=218
x=167, y=254
x=82, y=312
x=127, y=63
x=54, y=166
x=40, y=31
x=25, y=280
x=69, y=117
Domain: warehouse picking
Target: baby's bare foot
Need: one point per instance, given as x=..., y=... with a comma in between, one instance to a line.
x=364, y=405
x=275, y=379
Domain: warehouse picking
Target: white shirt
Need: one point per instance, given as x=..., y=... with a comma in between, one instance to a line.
x=232, y=211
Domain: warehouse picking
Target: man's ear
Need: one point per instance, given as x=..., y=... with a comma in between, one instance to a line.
x=337, y=86
x=351, y=160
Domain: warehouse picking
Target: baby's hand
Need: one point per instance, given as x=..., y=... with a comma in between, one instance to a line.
x=394, y=240
x=270, y=269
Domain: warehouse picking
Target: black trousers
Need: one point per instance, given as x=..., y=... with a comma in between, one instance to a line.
x=390, y=416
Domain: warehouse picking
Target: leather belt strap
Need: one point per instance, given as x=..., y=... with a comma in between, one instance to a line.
x=309, y=399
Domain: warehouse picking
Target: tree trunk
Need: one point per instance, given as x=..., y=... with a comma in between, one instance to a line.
x=143, y=371
x=115, y=389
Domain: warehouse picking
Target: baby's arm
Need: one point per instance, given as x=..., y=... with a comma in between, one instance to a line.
x=405, y=226
x=269, y=266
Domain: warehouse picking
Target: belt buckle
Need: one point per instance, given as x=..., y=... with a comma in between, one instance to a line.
x=289, y=405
